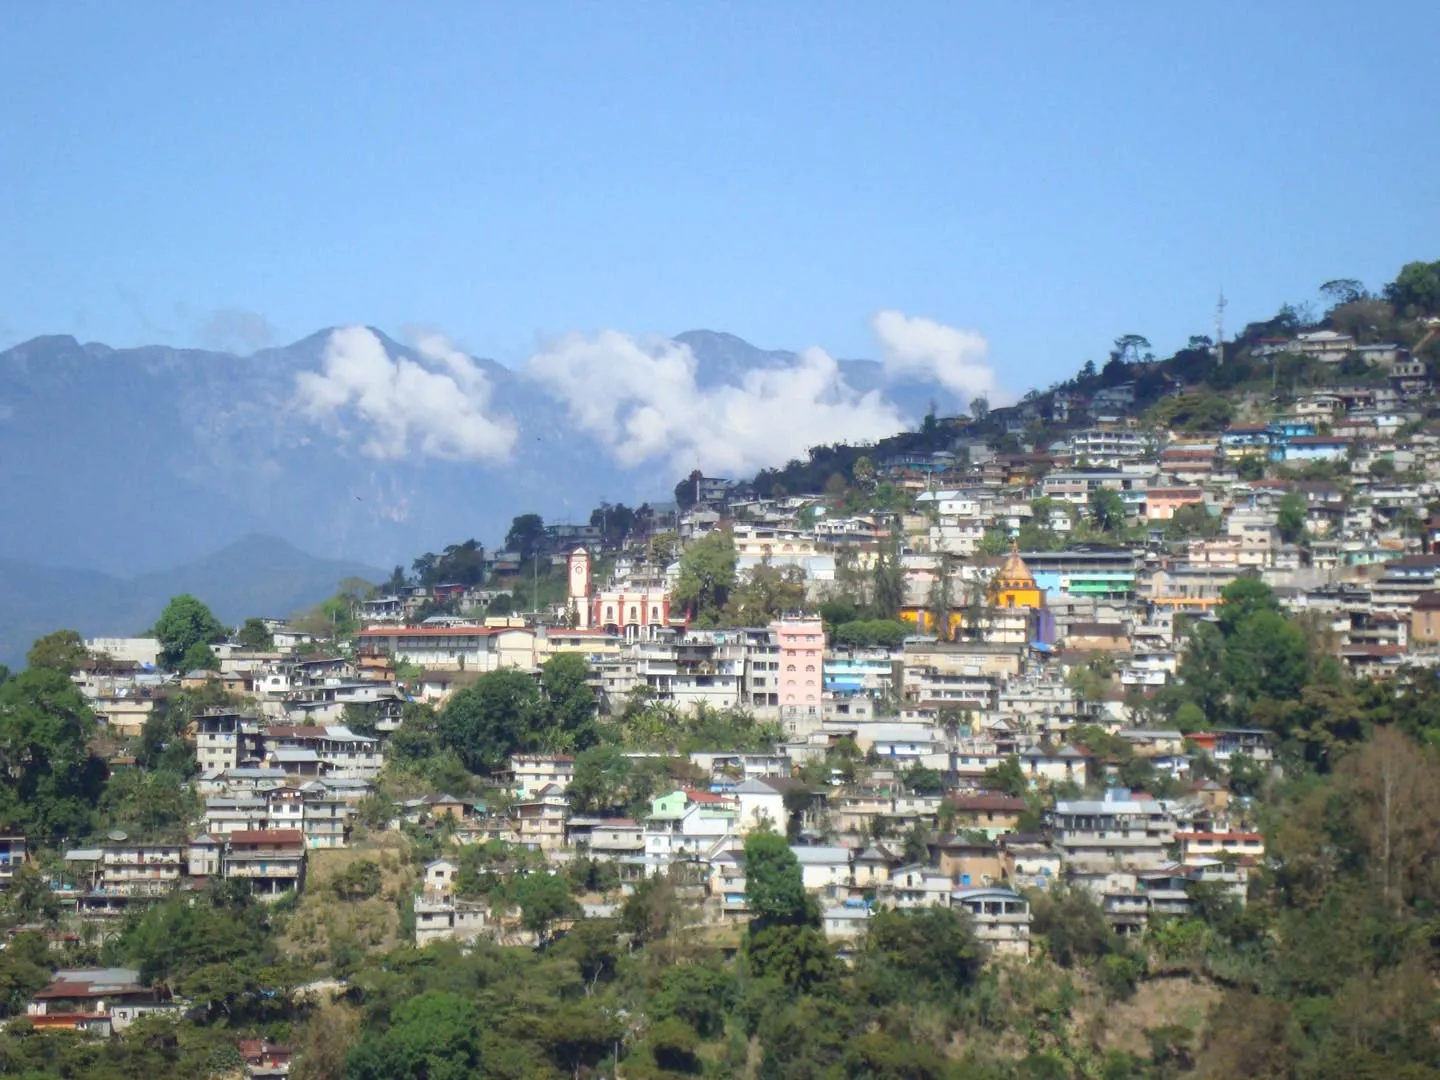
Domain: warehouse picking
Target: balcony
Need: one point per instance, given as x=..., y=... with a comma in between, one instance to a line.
x=273, y=869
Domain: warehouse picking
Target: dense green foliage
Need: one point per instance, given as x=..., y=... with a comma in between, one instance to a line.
x=185, y=627
x=53, y=779
x=507, y=712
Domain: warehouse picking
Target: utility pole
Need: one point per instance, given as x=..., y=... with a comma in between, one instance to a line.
x=1220, y=330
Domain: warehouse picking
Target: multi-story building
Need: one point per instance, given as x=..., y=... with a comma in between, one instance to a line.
x=12, y=857
x=1099, y=572
x=1109, y=446
x=456, y=647
x=532, y=772
x=141, y=870
x=336, y=750
x=1000, y=918
x=270, y=861
x=1118, y=830
x=801, y=643
x=224, y=740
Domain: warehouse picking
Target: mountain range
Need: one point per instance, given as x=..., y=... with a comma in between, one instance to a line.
x=129, y=473
x=133, y=460
x=256, y=575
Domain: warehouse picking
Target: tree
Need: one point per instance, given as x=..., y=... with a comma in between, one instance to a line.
x=1192, y=519
x=255, y=636
x=651, y=910
x=774, y=889
x=1131, y=348
x=707, y=574
x=1291, y=518
x=698, y=994
x=570, y=703
x=923, y=781
x=871, y=633
x=199, y=657
x=24, y=969
x=888, y=581
x=1196, y=412
x=1107, y=509
x=185, y=623
x=1267, y=656
x=1251, y=467
x=1009, y=777
x=994, y=542
x=434, y=1036
x=766, y=592
x=1073, y=924
x=64, y=650
x=544, y=900
x=1416, y=289
x=1398, y=784
x=1242, y=598
x=687, y=491
x=487, y=722
x=1340, y=291
x=1382, y=469
x=928, y=954
x=602, y=774
x=52, y=779
x=527, y=532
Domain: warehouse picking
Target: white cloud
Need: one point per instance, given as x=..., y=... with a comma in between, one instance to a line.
x=439, y=408
x=640, y=399
x=956, y=359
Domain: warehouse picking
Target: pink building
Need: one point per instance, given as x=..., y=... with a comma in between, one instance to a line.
x=633, y=612
x=802, y=663
x=1161, y=503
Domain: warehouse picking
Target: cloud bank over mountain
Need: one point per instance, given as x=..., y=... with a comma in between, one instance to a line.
x=437, y=406
x=641, y=399
x=348, y=443
x=915, y=347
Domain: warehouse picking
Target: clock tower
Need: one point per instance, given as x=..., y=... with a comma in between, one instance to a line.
x=580, y=586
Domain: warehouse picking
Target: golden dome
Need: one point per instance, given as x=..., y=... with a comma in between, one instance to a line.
x=1014, y=569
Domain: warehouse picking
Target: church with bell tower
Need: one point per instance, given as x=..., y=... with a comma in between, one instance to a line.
x=634, y=612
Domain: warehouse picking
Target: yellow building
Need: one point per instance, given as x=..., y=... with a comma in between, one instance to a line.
x=1014, y=586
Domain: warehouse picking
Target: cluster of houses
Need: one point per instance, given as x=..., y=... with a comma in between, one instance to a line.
x=1003, y=656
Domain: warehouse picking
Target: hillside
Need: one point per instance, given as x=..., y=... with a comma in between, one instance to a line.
x=258, y=575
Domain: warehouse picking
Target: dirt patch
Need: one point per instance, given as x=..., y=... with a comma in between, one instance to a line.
x=1159, y=1002
x=324, y=925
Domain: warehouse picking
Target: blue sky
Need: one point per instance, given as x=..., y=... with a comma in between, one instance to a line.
x=1050, y=175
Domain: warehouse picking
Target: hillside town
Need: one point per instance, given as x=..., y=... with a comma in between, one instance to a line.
x=1027, y=666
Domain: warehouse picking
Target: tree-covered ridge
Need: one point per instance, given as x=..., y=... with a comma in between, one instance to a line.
x=1327, y=971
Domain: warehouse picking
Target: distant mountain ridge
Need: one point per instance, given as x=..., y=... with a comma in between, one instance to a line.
x=257, y=575
x=131, y=460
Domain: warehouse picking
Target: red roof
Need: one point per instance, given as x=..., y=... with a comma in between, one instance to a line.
x=691, y=795
x=433, y=631
x=1371, y=650
x=274, y=837
x=293, y=731
x=988, y=800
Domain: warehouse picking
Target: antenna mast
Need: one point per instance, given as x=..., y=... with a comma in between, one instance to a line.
x=1220, y=330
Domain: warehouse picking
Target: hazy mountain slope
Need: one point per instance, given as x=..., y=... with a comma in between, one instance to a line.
x=258, y=575
x=133, y=460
